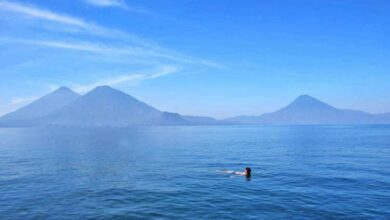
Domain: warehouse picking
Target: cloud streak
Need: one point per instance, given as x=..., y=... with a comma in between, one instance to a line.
x=21, y=101
x=81, y=24
x=16, y=103
x=131, y=78
x=135, y=45
x=107, y=3
x=117, y=4
x=42, y=14
x=109, y=50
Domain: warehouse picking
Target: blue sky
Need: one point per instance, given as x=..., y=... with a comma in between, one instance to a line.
x=216, y=58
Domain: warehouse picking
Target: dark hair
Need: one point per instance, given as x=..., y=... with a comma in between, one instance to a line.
x=248, y=171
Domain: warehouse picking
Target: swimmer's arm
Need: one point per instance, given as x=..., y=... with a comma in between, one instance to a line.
x=229, y=171
x=234, y=172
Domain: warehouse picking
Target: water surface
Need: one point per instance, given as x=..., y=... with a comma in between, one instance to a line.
x=299, y=172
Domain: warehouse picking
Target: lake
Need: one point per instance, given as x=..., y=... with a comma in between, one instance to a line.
x=175, y=172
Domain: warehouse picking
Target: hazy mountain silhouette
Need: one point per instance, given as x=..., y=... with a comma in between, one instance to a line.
x=105, y=106
x=308, y=110
x=41, y=107
x=168, y=118
x=201, y=120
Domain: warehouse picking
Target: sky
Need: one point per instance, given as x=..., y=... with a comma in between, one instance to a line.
x=217, y=58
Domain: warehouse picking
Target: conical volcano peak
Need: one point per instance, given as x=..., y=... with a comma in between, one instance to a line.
x=305, y=102
x=104, y=87
x=306, y=98
x=63, y=89
x=106, y=90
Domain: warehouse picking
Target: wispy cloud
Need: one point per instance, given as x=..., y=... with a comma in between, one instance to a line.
x=120, y=50
x=17, y=103
x=42, y=14
x=9, y=107
x=108, y=3
x=118, y=4
x=75, y=22
x=125, y=50
x=134, y=45
x=131, y=78
x=22, y=101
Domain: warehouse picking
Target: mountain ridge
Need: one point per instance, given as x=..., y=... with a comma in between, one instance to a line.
x=106, y=106
x=306, y=109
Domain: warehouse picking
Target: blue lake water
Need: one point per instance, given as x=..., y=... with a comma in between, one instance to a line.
x=299, y=172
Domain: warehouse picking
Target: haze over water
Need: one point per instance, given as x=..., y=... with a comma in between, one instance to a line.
x=301, y=172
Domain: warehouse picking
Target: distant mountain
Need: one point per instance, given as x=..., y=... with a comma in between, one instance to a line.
x=308, y=110
x=168, y=118
x=199, y=120
x=385, y=115
x=105, y=106
x=42, y=107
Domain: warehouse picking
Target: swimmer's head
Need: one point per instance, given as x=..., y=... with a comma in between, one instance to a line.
x=248, y=171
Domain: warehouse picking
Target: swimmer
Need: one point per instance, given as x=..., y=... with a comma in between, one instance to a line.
x=247, y=172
